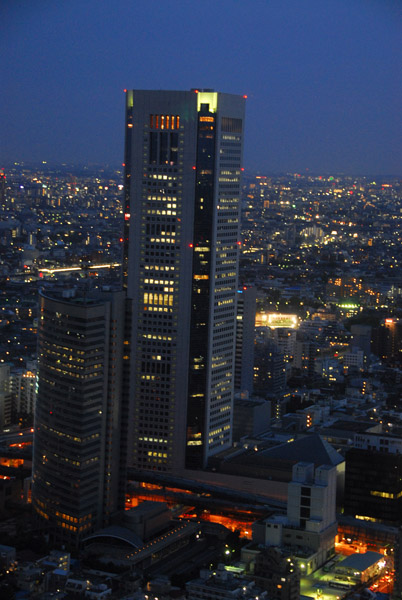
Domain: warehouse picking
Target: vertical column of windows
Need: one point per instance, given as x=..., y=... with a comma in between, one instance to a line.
x=204, y=209
x=159, y=284
x=127, y=183
x=225, y=284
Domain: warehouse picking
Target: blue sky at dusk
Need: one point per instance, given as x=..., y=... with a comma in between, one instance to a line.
x=323, y=77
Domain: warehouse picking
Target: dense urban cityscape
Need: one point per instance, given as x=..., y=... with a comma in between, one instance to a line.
x=201, y=300
x=304, y=498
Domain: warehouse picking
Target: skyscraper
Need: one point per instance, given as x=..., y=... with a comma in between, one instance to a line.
x=245, y=334
x=183, y=160
x=77, y=475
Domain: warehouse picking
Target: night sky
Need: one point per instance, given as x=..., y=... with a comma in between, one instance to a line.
x=323, y=77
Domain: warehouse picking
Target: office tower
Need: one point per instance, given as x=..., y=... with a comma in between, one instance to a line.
x=3, y=181
x=387, y=343
x=181, y=243
x=251, y=417
x=245, y=334
x=305, y=353
x=373, y=479
x=269, y=370
x=23, y=386
x=5, y=395
x=76, y=458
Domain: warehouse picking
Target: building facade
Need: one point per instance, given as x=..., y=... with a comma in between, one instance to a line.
x=245, y=338
x=183, y=162
x=77, y=457
x=373, y=480
x=309, y=528
x=5, y=395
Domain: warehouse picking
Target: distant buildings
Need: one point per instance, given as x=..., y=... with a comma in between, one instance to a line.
x=148, y=374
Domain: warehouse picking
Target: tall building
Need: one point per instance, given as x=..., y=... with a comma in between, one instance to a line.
x=269, y=370
x=3, y=181
x=5, y=395
x=77, y=455
x=245, y=335
x=373, y=479
x=183, y=162
x=388, y=341
x=23, y=385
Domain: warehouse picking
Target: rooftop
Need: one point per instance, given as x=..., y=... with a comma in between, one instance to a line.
x=361, y=562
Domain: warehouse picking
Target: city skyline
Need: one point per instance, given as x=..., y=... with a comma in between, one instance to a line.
x=201, y=339
x=322, y=81
x=323, y=257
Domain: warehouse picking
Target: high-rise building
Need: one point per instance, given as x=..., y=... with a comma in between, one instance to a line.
x=183, y=162
x=3, y=181
x=245, y=334
x=388, y=341
x=23, y=385
x=373, y=479
x=269, y=370
x=5, y=395
x=77, y=475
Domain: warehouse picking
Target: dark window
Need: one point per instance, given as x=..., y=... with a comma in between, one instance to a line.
x=164, y=148
x=174, y=144
x=231, y=125
x=153, y=148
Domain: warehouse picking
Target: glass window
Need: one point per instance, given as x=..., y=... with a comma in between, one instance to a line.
x=153, y=147
x=164, y=148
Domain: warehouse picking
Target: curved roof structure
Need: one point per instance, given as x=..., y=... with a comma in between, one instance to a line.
x=119, y=533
